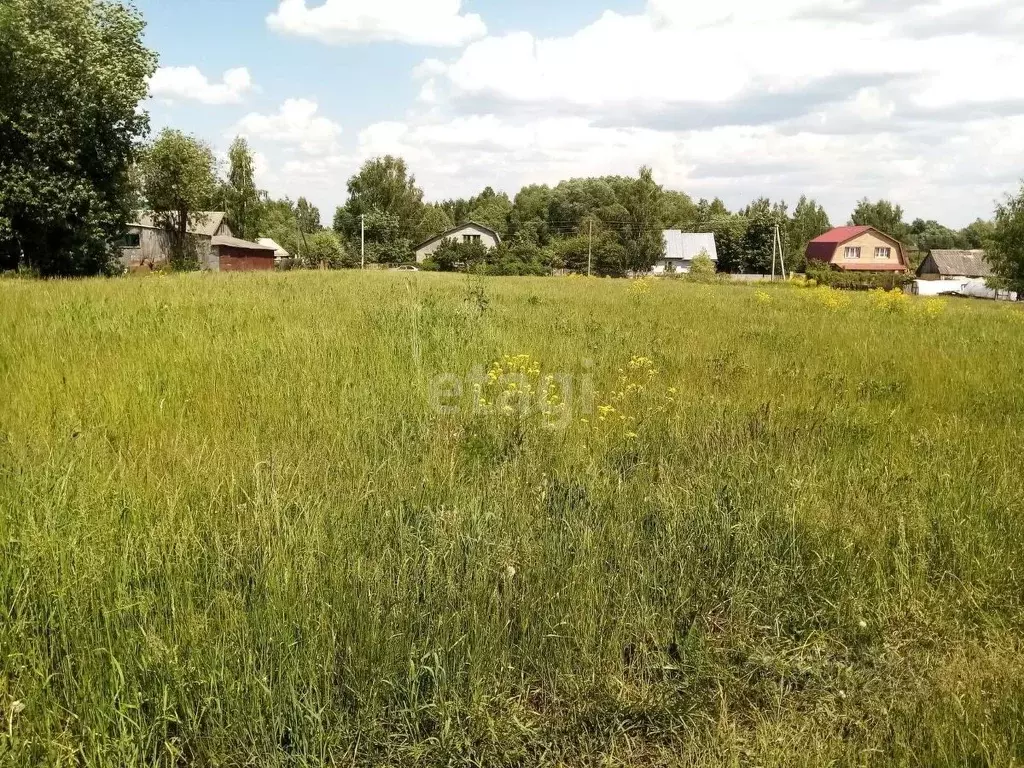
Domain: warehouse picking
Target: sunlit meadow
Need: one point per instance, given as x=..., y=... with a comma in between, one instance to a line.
x=319, y=519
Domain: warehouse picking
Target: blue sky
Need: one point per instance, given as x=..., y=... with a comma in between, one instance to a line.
x=736, y=99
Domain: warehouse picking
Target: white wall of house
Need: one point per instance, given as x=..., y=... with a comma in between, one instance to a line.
x=681, y=249
x=672, y=267
x=462, y=234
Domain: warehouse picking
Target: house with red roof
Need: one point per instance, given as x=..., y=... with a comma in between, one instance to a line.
x=859, y=249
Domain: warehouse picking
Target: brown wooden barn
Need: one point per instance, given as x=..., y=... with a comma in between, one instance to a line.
x=145, y=245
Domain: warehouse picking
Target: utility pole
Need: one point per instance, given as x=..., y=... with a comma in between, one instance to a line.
x=782, y=252
x=590, y=251
x=362, y=238
x=775, y=250
x=778, y=252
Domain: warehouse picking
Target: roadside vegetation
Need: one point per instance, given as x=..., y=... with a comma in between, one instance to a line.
x=303, y=520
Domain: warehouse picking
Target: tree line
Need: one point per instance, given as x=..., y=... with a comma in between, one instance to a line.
x=75, y=165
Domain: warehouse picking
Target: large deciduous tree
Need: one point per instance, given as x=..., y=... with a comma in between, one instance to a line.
x=493, y=213
x=179, y=180
x=435, y=220
x=641, y=235
x=244, y=201
x=809, y=221
x=385, y=187
x=72, y=75
x=1006, y=243
x=308, y=216
x=885, y=216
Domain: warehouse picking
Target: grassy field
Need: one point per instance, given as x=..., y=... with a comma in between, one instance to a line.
x=270, y=520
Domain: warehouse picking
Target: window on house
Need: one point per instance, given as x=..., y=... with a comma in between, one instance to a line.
x=130, y=240
x=883, y=254
x=852, y=253
x=471, y=238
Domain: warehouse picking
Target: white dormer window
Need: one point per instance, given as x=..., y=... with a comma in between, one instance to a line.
x=852, y=253
x=883, y=254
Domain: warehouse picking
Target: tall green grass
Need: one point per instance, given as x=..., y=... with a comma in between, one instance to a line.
x=235, y=530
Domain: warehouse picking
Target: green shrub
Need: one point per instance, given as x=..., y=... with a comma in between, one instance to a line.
x=703, y=269
x=858, y=281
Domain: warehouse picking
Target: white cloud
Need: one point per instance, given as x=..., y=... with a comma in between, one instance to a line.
x=189, y=84
x=837, y=99
x=296, y=125
x=741, y=98
x=717, y=53
x=418, y=22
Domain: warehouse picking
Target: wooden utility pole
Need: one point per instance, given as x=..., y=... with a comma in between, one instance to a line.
x=362, y=239
x=778, y=252
x=590, y=251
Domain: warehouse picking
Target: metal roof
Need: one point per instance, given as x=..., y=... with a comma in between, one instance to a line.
x=206, y=226
x=234, y=242
x=686, y=246
x=956, y=263
x=823, y=248
x=271, y=243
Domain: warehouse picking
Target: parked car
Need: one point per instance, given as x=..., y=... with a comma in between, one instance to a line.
x=406, y=268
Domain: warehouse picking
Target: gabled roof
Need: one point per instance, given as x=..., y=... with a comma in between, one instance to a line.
x=207, y=226
x=234, y=242
x=271, y=243
x=456, y=230
x=823, y=247
x=956, y=264
x=687, y=246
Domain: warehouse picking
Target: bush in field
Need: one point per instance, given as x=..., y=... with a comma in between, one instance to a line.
x=453, y=255
x=326, y=251
x=703, y=269
x=519, y=258
x=858, y=281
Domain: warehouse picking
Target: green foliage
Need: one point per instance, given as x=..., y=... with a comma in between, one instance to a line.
x=307, y=217
x=280, y=223
x=857, y=281
x=885, y=216
x=730, y=240
x=244, y=202
x=678, y=211
x=516, y=258
x=452, y=255
x=609, y=258
x=178, y=173
x=978, y=234
x=1006, y=253
x=641, y=237
x=383, y=187
x=703, y=269
x=528, y=221
x=325, y=250
x=435, y=220
x=809, y=221
x=493, y=213
x=72, y=75
x=385, y=242
x=762, y=218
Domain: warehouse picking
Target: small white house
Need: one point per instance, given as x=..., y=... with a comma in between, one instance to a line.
x=681, y=248
x=464, y=233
